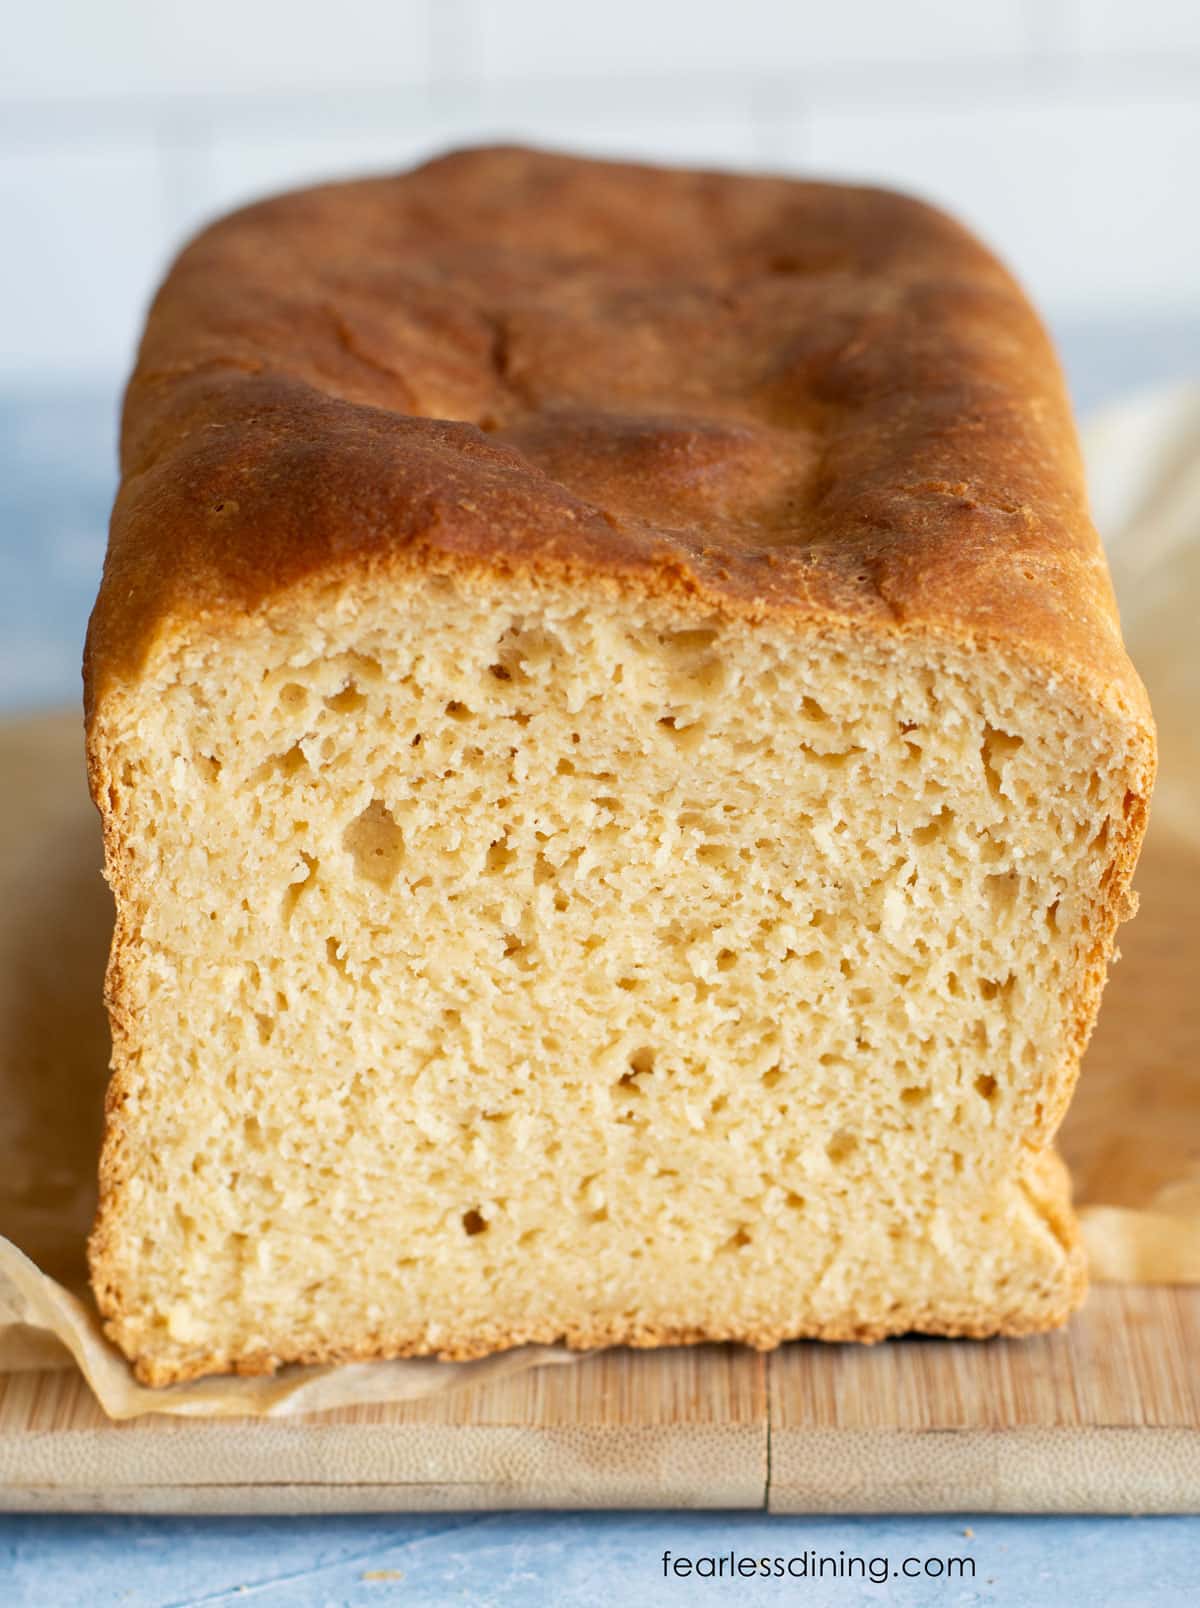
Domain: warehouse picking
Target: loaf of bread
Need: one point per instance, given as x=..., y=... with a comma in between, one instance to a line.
x=619, y=775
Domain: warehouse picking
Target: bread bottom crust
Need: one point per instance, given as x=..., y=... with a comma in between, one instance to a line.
x=945, y=1323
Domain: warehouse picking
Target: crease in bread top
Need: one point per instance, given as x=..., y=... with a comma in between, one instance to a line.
x=783, y=398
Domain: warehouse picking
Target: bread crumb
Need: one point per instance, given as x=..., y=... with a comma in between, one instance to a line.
x=723, y=997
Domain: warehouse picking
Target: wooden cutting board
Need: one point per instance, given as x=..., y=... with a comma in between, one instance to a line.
x=1103, y=1416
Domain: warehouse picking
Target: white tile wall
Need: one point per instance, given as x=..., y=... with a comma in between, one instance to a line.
x=1068, y=131
x=530, y=39
x=1084, y=200
x=110, y=49
x=1136, y=25
x=244, y=167
x=85, y=243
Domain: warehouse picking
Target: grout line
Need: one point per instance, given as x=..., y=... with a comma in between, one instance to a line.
x=1050, y=30
x=183, y=145
x=1062, y=77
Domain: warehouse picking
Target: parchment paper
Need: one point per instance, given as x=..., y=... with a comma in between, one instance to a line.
x=1132, y=1138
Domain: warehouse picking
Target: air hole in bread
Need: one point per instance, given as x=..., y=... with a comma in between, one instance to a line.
x=1001, y=892
x=688, y=643
x=290, y=763
x=939, y=827
x=348, y=701
x=841, y=1147
x=685, y=735
x=996, y=749
x=992, y=988
x=303, y=879
x=499, y=857
x=375, y=842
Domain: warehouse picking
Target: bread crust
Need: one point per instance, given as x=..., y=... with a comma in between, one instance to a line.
x=925, y=1320
x=770, y=398
x=795, y=403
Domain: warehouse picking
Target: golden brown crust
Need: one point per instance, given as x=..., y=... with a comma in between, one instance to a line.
x=805, y=400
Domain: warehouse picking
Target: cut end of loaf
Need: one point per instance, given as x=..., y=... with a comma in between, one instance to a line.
x=511, y=964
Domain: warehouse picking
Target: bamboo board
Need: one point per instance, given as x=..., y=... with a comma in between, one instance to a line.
x=1102, y=1417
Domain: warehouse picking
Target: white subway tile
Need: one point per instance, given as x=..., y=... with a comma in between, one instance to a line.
x=244, y=167
x=85, y=241
x=1091, y=204
x=729, y=142
x=665, y=38
x=1135, y=27
x=111, y=48
x=93, y=232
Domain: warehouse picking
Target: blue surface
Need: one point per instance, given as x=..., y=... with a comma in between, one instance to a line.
x=581, y=1560
x=56, y=481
